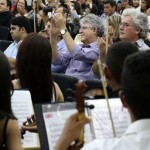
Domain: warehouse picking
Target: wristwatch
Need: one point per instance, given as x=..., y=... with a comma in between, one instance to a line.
x=63, y=31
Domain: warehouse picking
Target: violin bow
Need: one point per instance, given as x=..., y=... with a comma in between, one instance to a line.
x=106, y=95
x=35, y=16
x=80, y=86
x=107, y=24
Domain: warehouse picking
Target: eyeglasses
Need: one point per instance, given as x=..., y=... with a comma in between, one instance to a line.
x=83, y=28
x=126, y=25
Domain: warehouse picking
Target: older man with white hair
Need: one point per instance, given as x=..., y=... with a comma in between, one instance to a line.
x=134, y=27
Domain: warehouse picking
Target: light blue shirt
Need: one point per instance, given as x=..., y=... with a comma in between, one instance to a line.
x=82, y=61
x=60, y=64
x=12, y=50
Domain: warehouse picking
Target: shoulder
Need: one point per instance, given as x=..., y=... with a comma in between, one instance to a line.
x=59, y=96
x=102, y=144
x=12, y=124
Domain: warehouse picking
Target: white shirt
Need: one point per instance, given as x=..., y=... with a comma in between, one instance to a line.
x=12, y=50
x=141, y=45
x=136, y=137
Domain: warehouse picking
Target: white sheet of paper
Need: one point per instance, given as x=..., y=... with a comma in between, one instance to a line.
x=54, y=123
x=101, y=119
x=22, y=108
x=101, y=124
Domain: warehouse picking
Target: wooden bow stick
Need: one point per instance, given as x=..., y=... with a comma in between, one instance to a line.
x=35, y=16
x=106, y=95
x=107, y=24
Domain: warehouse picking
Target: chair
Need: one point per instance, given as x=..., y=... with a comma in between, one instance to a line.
x=65, y=82
x=94, y=89
x=93, y=84
x=4, y=44
x=4, y=31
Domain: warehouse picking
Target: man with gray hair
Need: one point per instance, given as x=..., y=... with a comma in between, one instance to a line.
x=134, y=27
x=82, y=55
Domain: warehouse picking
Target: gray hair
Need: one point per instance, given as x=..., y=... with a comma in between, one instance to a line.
x=95, y=22
x=139, y=20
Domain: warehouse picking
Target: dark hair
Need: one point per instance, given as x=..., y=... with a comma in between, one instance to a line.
x=94, y=9
x=136, y=83
x=34, y=67
x=9, y=4
x=64, y=9
x=116, y=55
x=15, y=9
x=5, y=87
x=147, y=4
x=111, y=2
x=21, y=21
x=77, y=7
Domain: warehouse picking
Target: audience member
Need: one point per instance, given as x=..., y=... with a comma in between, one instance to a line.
x=19, y=28
x=145, y=5
x=55, y=36
x=20, y=8
x=10, y=135
x=119, y=7
x=5, y=15
x=126, y=4
x=136, y=4
x=134, y=27
x=135, y=97
x=82, y=56
x=109, y=10
x=113, y=28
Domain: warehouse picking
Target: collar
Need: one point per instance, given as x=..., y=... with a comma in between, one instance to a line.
x=61, y=42
x=140, y=42
x=94, y=44
x=138, y=126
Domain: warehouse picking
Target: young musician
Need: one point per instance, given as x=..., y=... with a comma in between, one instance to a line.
x=135, y=97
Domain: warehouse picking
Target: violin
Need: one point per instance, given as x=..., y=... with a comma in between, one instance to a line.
x=80, y=86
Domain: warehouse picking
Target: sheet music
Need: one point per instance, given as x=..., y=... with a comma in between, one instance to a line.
x=22, y=108
x=101, y=119
x=55, y=116
x=55, y=120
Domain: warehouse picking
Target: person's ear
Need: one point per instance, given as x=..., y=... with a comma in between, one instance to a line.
x=107, y=72
x=23, y=29
x=123, y=100
x=138, y=30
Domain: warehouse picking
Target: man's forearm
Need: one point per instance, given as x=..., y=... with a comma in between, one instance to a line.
x=69, y=41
